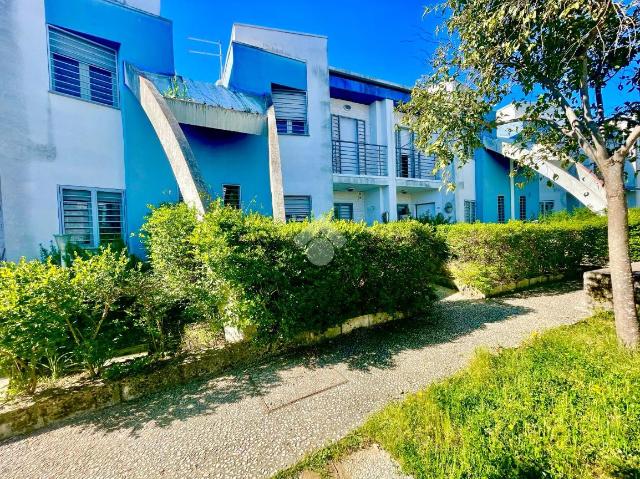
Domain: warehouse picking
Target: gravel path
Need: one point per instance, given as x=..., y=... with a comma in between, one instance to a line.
x=252, y=423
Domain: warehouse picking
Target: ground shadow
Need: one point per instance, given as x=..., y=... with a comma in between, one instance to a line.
x=363, y=350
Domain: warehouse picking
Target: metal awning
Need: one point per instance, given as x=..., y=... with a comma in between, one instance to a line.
x=209, y=105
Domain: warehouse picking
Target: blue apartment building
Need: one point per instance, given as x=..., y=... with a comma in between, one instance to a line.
x=99, y=127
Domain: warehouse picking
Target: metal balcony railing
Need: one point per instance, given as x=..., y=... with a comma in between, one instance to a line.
x=353, y=158
x=410, y=163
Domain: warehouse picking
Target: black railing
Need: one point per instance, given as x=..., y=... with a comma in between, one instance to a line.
x=352, y=158
x=410, y=163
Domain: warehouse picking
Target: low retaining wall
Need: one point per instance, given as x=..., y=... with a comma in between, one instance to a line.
x=24, y=415
x=471, y=292
x=597, y=287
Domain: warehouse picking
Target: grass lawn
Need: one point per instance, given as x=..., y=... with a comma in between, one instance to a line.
x=564, y=405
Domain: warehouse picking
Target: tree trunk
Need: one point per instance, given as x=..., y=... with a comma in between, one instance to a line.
x=624, y=307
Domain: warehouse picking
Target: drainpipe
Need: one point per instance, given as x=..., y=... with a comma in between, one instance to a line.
x=512, y=188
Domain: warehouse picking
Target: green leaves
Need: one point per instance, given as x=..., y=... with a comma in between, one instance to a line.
x=538, y=52
x=247, y=270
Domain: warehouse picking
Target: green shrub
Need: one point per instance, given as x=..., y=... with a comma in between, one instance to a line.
x=55, y=319
x=248, y=270
x=101, y=284
x=486, y=256
x=36, y=302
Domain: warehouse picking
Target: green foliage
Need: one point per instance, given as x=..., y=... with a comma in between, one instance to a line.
x=436, y=220
x=35, y=305
x=578, y=214
x=101, y=283
x=486, y=256
x=554, y=58
x=248, y=270
x=54, y=319
x=565, y=405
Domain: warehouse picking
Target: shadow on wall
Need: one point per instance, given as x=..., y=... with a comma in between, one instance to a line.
x=362, y=350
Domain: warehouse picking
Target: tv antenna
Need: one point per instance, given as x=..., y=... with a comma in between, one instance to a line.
x=208, y=53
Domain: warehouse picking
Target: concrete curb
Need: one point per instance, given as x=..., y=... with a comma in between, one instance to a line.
x=471, y=292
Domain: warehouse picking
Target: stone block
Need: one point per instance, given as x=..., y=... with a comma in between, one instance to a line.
x=137, y=386
x=332, y=332
x=354, y=323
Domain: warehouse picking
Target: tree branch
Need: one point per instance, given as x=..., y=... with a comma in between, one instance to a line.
x=577, y=125
x=631, y=141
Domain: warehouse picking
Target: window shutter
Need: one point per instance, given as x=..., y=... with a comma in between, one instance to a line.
x=109, y=216
x=231, y=196
x=523, y=208
x=343, y=211
x=297, y=208
x=469, y=211
x=78, y=216
x=82, y=68
x=291, y=110
x=501, y=216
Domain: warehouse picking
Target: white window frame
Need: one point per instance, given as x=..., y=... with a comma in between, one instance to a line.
x=84, y=73
x=95, y=226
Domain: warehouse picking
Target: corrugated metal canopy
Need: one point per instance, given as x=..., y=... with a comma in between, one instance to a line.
x=206, y=104
x=206, y=93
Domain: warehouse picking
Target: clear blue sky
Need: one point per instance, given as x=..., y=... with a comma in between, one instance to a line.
x=380, y=38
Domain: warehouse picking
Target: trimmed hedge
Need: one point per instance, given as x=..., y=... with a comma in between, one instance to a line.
x=251, y=271
x=487, y=256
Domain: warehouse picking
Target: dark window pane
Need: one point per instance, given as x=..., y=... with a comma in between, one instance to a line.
x=66, y=75
x=101, y=81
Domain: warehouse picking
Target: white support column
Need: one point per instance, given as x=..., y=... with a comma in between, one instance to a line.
x=275, y=167
x=172, y=138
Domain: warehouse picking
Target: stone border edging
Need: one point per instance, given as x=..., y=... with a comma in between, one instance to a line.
x=57, y=404
x=471, y=292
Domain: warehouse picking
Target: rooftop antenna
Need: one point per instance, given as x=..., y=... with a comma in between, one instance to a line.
x=209, y=54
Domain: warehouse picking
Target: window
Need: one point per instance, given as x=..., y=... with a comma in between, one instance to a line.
x=403, y=211
x=523, y=207
x=343, y=211
x=469, y=211
x=291, y=110
x=546, y=207
x=426, y=210
x=92, y=217
x=501, y=217
x=82, y=68
x=231, y=196
x=297, y=208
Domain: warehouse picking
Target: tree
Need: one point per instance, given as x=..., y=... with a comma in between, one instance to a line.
x=572, y=67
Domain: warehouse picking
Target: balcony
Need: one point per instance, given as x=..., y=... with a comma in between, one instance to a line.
x=410, y=163
x=353, y=158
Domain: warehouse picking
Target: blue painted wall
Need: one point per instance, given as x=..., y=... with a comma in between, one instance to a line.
x=226, y=157
x=492, y=180
x=147, y=42
x=254, y=70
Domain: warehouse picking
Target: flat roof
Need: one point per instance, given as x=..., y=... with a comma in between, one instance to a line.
x=368, y=79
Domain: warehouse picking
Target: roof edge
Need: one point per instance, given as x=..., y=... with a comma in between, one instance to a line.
x=278, y=30
x=368, y=79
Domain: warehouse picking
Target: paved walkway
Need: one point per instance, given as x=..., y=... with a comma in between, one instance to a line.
x=250, y=424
